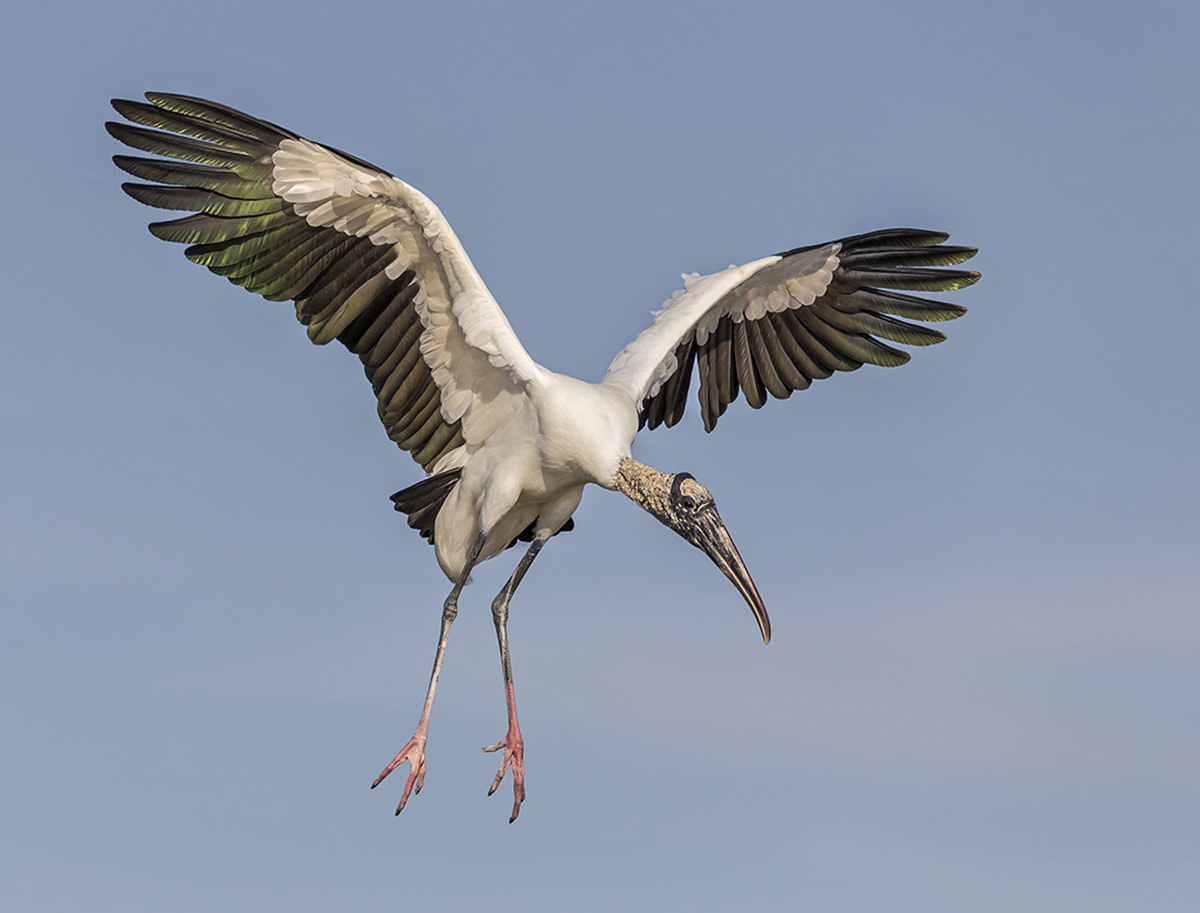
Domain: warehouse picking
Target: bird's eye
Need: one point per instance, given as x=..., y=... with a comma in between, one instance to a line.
x=687, y=502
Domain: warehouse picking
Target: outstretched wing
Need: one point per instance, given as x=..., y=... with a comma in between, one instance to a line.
x=368, y=260
x=777, y=324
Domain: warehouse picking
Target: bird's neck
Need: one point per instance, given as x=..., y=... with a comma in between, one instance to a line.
x=646, y=487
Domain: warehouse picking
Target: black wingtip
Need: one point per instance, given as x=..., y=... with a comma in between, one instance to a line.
x=133, y=190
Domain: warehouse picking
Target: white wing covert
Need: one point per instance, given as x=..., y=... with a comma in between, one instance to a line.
x=368, y=260
x=779, y=323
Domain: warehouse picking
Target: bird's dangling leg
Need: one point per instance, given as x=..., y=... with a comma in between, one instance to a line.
x=513, y=744
x=414, y=751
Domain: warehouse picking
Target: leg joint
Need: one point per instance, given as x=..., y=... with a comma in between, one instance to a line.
x=500, y=605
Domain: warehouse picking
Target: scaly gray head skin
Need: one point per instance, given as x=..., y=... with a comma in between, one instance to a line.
x=683, y=504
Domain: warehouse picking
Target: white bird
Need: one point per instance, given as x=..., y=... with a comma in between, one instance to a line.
x=508, y=445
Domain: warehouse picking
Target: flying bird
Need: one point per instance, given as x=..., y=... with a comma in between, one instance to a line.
x=507, y=445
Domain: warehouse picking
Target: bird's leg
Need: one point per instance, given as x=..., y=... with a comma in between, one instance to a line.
x=513, y=744
x=414, y=751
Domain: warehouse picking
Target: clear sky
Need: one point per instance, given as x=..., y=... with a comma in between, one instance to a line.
x=981, y=567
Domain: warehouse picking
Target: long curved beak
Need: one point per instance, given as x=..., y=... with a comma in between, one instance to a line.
x=710, y=535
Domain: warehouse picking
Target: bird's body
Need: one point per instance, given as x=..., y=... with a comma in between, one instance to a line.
x=533, y=470
x=508, y=446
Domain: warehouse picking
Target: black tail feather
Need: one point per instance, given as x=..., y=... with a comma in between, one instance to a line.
x=423, y=501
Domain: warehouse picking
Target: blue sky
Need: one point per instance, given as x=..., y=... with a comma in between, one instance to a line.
x=981, y=567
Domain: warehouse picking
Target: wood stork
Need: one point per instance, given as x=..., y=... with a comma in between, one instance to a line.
x=506, y=444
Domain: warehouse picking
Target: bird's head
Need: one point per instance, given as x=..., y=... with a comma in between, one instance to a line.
x=683, y=504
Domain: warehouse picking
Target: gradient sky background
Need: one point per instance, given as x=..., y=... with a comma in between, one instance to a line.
x=982, y=568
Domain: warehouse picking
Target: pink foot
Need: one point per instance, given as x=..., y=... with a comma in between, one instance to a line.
x=514, y=756
x=414, y=754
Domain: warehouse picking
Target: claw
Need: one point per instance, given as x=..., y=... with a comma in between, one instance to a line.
x=514, y=757
x=414, y=754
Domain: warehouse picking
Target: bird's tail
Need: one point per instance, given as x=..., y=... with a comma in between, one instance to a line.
x=423, y=501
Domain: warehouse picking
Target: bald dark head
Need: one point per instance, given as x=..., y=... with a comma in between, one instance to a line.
x=686, y=506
